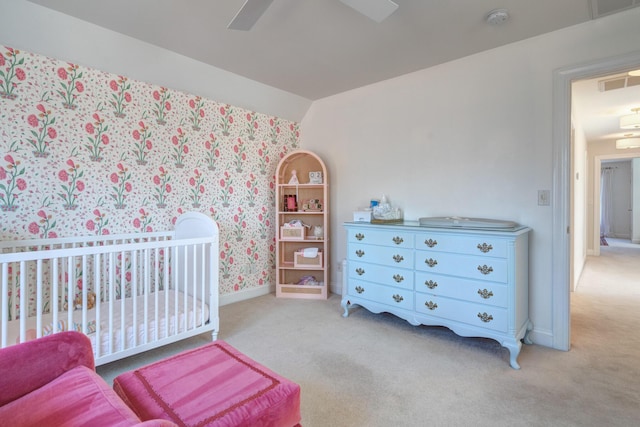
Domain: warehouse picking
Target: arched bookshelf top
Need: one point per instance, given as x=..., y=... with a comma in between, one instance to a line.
x=302, y=162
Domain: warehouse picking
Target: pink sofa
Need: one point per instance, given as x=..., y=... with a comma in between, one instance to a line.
x=52, y=381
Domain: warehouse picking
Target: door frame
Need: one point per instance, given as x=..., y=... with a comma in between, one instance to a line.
x=561, y=144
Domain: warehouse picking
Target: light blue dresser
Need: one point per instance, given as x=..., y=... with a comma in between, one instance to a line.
x=475, y=282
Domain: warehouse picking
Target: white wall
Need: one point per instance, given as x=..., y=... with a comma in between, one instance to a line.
x=471, y=137
x=635, y=229
x=28, y=26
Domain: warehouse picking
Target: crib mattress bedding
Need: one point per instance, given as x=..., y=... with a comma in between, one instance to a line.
x=169, y=322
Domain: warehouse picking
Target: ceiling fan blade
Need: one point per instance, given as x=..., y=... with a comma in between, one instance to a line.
x=378, y=10
x=249, y=14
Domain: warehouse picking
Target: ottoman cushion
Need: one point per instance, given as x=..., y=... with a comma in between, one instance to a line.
x=214, y=385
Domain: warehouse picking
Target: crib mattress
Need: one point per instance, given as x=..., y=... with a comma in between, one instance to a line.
x=167, y=323
x=213, y=385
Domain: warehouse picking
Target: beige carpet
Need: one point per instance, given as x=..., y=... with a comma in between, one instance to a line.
x=377, y=370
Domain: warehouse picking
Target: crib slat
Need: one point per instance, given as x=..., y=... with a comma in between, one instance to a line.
x=112, y=291
x=176, y=286
x=147, y=286
x=167, y=289
x=203, y=292
x=70, y=296
x=84, y=295
x=38, y=298
x=185, y=284
x=123, y=291
x=97, y=286
x=194, y=287
x=55, y=293
x=156, y=282
x=134, y=296
x=23, y=302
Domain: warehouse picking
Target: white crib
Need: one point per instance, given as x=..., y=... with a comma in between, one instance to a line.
x=132, y=292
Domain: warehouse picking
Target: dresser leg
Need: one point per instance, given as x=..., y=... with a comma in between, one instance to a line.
x=345, y=305
x=514, y=351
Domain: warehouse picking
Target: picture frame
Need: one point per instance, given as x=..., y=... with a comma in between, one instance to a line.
x=315, y=177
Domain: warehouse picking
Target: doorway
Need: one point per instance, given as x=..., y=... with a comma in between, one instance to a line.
x=562, y=184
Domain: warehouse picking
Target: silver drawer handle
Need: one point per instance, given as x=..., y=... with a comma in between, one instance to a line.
x=398, y=298
x=398, y=278
x=360, y=253
x=485, y=293
x=484, y=269
x=431, y=262
x=397, y=240
x=360, y=272
x=431, y=305
x=398, y=258
x=359, y=289
x=359, y=236
x=431, y=284
x=484, y=248
x=431, y=243
x=486, y=318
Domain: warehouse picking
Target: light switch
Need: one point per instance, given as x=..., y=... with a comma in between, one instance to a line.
x=544, y=197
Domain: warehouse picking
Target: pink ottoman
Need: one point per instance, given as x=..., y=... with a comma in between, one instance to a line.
x=214, y=385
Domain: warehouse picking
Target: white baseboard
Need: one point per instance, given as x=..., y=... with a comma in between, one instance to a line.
x=335, y=288
x=246, y=294
x=264, y=290
x=543, y=338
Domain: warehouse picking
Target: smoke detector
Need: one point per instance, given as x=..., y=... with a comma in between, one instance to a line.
x=498, y=16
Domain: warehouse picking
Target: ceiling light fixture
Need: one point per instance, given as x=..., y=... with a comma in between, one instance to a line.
x=627, y=143
x=498, y=16
x=634, y=73
x=632, y=121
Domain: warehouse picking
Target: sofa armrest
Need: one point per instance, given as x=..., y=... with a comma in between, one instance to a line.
x=30, y=365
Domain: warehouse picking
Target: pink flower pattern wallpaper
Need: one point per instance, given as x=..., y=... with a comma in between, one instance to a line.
x=85, y=152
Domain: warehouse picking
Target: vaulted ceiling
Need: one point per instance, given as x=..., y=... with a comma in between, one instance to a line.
x=318, y=48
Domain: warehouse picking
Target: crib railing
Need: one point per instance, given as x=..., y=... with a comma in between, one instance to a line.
x=147, y=289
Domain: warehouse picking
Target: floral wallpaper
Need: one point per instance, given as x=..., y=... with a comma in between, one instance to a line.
x=87, y=152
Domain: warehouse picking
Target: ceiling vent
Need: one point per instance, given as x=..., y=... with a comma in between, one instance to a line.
x=600, y=8
x=619, y=82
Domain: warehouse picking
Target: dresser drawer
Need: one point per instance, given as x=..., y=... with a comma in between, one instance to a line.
x=397, y=257
x=471, y=245
x=468, y=290
x=391, y=276
x=387, y=295
x=480, y=315
x=472, y=267
x=397, y=239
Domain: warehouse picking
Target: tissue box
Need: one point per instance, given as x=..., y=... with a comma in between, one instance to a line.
x=362, y=216
x=292, y=233
x=299, y=261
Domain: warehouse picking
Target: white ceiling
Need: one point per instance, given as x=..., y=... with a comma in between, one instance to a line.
x=318, y=48
x=598, y=113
